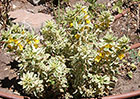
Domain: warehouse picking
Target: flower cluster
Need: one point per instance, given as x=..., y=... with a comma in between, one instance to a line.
x=16, y=39
x=112, y=48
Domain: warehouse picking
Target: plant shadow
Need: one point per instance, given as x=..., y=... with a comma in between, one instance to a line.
x=11, y=84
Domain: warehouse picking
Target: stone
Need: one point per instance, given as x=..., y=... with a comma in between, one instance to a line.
x=36, y=2
x=103, y=1
x=73, y=2
x=30, y=20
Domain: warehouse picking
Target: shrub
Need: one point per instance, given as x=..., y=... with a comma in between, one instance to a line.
x=74, y=58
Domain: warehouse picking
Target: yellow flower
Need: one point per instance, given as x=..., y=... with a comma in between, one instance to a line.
x=107, y=24
x=107, y=53
x=16, y=41
x=87, y=21
x=10, y=40
x=22, y=32
x=36, y=41
x=71, y=24
x=86, y=16
x=100, y=49
x=20, y=46
x=9, y=46
x=77, y=36
x=85, y=12
x=108, y=46
x=106, y=58
x=35, y=45
x=82, y=9
x=121, y=56
x=80, y=22
x=28, y=41
x=102, y=55
x=97, y=58
x=86, y=27
x=96, y=26
x=102, y=24
x=82, y=29
x=139, y=52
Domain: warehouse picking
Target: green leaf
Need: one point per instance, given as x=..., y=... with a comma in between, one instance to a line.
x=33, y=62
x=130, y=74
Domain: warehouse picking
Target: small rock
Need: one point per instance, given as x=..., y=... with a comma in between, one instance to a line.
x=6, y=69
x=14, y=6
x=103, y=1
x=30, y=20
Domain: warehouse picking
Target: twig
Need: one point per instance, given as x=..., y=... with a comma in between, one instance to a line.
x=122, y=14
x=138, y=21
x=11, y=96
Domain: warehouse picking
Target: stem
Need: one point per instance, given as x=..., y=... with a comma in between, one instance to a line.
x=138, y=21
x=53, y=9
x=59, y=12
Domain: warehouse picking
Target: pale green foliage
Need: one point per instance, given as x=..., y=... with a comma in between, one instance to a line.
x=135, y=55
x=72, y=59
x=32, y=83
x=93, y=62
x=35, y=63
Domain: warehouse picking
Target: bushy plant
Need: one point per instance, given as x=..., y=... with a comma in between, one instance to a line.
x=74, y=59
x=135, y=55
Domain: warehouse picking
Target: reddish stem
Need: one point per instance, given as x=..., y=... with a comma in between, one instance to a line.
x=122, y=14
x=135, y=46
x=123, y=96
